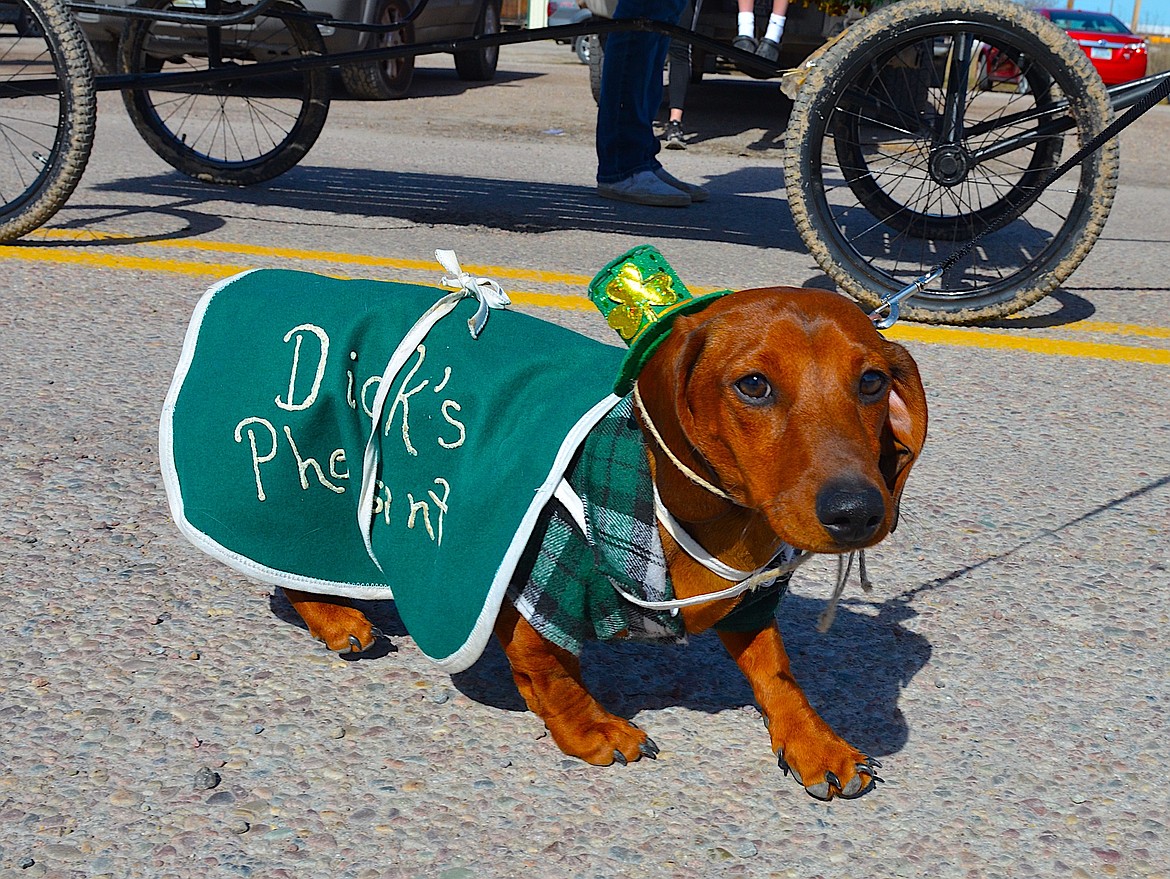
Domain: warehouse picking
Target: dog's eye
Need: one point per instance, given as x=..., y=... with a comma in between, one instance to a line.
x=754, y=389
x=872, y=383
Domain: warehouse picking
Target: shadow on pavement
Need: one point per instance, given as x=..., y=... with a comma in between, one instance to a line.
x=853, y=674
x=744, y=216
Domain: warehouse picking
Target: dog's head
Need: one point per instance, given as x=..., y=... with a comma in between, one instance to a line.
x=790, y=401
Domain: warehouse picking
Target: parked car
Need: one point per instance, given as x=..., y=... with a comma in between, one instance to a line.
x=1118, y=53
x=562, y=12
x=15, y=14
x=368, y=80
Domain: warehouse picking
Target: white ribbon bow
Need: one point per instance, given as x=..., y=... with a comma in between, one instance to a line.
x=489, y=294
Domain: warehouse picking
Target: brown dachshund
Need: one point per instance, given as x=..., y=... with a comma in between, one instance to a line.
x=805, y=422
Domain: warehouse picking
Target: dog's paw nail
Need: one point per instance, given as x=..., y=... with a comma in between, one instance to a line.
x=649, y=749
x=355, y=646
x=832, y=779
x=870, y=768
x=788, y=770
x=619, y=757
x=376, y=632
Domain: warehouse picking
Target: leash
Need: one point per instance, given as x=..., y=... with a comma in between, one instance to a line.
x=887, y=312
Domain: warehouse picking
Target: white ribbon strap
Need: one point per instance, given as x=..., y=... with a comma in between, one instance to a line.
x=743, y=581
x=692, y=547
x=490, y=295
x=488, y=292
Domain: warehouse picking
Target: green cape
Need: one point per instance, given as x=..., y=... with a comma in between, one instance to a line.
x=267, y=420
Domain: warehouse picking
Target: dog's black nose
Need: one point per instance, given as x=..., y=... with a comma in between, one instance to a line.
x=850, y=512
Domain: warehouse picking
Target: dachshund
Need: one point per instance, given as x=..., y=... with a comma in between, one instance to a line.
x=772, y=416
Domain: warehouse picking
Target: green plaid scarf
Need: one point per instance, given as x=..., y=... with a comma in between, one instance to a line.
x=564, y=584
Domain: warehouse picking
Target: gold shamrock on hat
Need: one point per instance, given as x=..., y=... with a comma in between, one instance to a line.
x=637, y=297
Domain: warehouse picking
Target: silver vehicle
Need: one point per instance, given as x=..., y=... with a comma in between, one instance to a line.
x=367, y=80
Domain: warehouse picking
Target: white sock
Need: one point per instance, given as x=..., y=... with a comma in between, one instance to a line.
x=775, y=27
x=747, y=24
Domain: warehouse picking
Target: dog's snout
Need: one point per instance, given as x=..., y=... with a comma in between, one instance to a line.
x=850, y=512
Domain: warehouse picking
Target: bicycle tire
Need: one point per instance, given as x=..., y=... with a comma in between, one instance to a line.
x=48, y=137
x=872, y=239
x=236, y=132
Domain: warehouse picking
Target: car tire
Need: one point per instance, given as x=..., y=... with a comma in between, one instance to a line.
x=581, y=47
x=596, y=58
x=384, y=80
x=479, y=65
x=27, y=25
x=104, y=55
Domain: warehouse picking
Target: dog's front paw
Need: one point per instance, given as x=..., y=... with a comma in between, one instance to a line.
x=345, y=630
x=604, y=742
x=342, y=628
x=829, y=769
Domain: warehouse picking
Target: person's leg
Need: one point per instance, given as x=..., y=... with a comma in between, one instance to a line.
x=631, y=93
x=745, y=22
x=678, y=77
x=626, y=143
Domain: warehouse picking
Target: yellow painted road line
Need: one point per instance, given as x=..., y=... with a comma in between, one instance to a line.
x=83, y=257
x=1031, y=344
x=118, y=261
x=1111, y=329
x=319, y=256
x=953, y=336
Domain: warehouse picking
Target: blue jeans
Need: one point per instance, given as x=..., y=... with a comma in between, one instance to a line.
x=631, y=92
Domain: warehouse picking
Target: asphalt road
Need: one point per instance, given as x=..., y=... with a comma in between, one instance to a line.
x=1009, y=670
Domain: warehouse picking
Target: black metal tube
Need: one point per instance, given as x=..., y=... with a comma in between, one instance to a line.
x=164, y=81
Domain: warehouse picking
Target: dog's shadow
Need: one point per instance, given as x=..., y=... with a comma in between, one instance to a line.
x=853, y=674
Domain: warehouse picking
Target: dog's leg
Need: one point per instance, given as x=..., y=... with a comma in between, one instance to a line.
x=549, y=679
x=821, y=760
x=334, y=620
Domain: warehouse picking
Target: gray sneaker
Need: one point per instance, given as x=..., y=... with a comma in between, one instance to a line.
x=744, y=43
x=694, y=191
x=674, y=136
x=646, y=187
x=769, y=50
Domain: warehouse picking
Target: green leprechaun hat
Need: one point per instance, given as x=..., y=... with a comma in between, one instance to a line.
x=640, y=296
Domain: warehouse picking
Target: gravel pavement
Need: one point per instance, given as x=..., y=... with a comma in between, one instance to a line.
x=163, y=717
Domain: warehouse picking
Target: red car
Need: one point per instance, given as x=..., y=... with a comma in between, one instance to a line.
x=1118, y=53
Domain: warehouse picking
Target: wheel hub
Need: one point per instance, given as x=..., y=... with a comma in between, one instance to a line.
x=949, y=165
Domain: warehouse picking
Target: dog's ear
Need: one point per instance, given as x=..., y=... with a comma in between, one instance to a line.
x=904, y=432
x=690, y=337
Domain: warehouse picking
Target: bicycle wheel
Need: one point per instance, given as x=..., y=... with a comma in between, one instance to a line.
x=236, y=131
x=923, y=124
x=46, y=133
